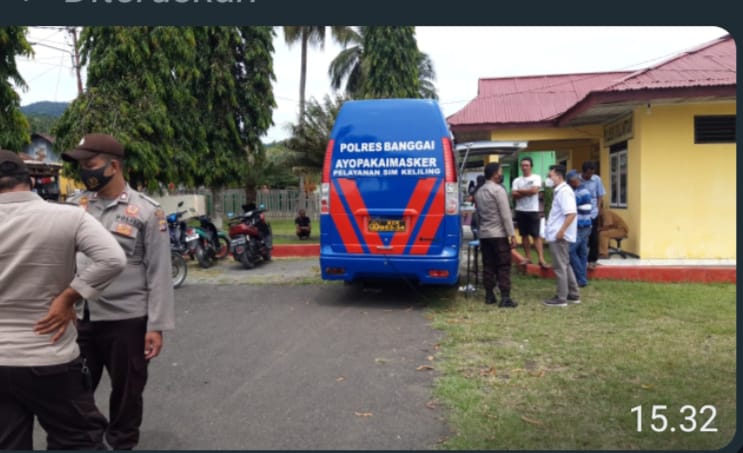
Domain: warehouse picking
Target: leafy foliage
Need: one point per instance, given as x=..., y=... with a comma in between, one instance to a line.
x=312, y=35
x=14, y=129
x=188, y=103
x=310, y=138
x=41, y=123
x=390, y=63
x=353, y=66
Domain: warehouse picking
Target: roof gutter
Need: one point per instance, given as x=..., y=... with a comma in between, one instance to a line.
x=644, y=95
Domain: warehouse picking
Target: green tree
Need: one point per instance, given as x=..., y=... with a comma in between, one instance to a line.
x=308, y=142
x=351, y=67
x=41, y=123
x=188, y=103
x=14, y=128
x=314, y=35
x=234, y=89
x=139, y=90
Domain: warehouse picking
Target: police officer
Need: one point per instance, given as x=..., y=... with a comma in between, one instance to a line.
x=41, y=373
x=123, y=332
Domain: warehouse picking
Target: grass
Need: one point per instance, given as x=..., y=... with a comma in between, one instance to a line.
x=284, y=232
x=539, y=377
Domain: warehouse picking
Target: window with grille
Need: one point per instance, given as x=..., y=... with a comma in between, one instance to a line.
x=714, y=129
x=618, y=178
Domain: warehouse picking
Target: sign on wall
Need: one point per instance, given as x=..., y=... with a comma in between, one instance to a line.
x=618, y=131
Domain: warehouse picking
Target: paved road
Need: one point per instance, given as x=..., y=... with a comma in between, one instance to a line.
x=311, y=366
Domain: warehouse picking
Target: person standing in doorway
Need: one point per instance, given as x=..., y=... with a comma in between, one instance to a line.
x=561, y=230
x=123, y=332
x=590, y=181
x=525, y=191
x=41, y=372
x=579, y=249
x=497, y=237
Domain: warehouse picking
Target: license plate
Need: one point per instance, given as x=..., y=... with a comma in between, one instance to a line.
x=386, y=225
x=237, y=241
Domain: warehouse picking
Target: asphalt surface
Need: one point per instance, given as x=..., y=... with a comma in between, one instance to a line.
x=292, y=364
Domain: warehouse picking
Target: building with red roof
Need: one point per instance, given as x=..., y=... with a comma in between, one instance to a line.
x=663, y=136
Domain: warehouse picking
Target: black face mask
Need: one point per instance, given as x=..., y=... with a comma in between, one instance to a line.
x=95, y=179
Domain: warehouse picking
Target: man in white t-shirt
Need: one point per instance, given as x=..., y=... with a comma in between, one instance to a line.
x=560, y=231
x=525, y=191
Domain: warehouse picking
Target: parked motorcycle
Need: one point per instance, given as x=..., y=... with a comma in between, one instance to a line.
x=180, y=269
x=184, y=239
x=251, y=237
x=215, y=243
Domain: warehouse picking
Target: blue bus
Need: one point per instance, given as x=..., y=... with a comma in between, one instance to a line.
x=389, y=205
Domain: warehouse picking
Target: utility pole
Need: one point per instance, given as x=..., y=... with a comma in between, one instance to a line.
x=76, y=60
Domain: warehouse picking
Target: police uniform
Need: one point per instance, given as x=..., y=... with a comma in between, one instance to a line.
x=39, y=378
x=112, y=330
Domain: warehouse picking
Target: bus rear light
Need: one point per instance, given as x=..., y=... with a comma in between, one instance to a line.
x=327, y=161
x=324, y=198
x=452, y=198
x=438, y=273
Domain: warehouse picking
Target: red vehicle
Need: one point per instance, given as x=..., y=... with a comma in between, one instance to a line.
x=251, y=238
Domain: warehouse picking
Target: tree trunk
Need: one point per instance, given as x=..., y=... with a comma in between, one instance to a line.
x=303, y=77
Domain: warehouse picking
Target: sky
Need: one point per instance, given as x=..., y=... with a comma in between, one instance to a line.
x=461, y=55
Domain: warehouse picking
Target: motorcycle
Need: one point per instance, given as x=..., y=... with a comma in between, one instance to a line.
x=180, y=269
x=184, y=239
x=251, y=237
x=216, y=243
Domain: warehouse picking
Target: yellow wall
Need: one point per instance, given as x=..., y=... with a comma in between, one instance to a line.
x=681, y=200
x=681, y=196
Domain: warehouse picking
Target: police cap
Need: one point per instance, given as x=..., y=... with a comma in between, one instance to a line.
x=93, y=144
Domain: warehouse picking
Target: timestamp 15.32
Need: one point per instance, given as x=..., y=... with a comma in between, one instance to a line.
x=694, y=420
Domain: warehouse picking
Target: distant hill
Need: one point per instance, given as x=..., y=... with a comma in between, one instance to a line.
x=45, y=108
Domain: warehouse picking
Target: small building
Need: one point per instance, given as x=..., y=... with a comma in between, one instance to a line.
x=45, y=165
x=664, y=139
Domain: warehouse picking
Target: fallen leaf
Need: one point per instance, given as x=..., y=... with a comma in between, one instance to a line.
x=647, y=386
x=487, y=371
x=433, y=404
x=380, y=360
x=363, y=414
x=539, y=373
x=530, y=420
x=424, y=367
x=430, y=358
x=436, y=347
x=340, y=379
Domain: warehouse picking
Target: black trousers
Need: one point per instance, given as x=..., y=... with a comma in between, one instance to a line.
x=496, y=265
x=57, y=396
x=593, y=241
x=118, y=346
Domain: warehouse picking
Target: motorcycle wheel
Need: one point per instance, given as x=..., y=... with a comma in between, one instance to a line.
x=180, y=269
x=224, y=248
x=202, y=256
x=246, y=261
x=266, y=253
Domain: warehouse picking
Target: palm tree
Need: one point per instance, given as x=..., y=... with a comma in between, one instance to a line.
x=314, y=35
x=346, y=69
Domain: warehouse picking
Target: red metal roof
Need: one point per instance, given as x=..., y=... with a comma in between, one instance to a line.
x=531, y=99
x=544, y=99
x=712, y=64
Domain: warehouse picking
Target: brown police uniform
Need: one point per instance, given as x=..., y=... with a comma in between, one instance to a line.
x=140, y=300
x=37, y=262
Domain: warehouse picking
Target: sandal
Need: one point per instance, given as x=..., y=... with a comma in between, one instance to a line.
x=544, y=265
x=524, y=262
